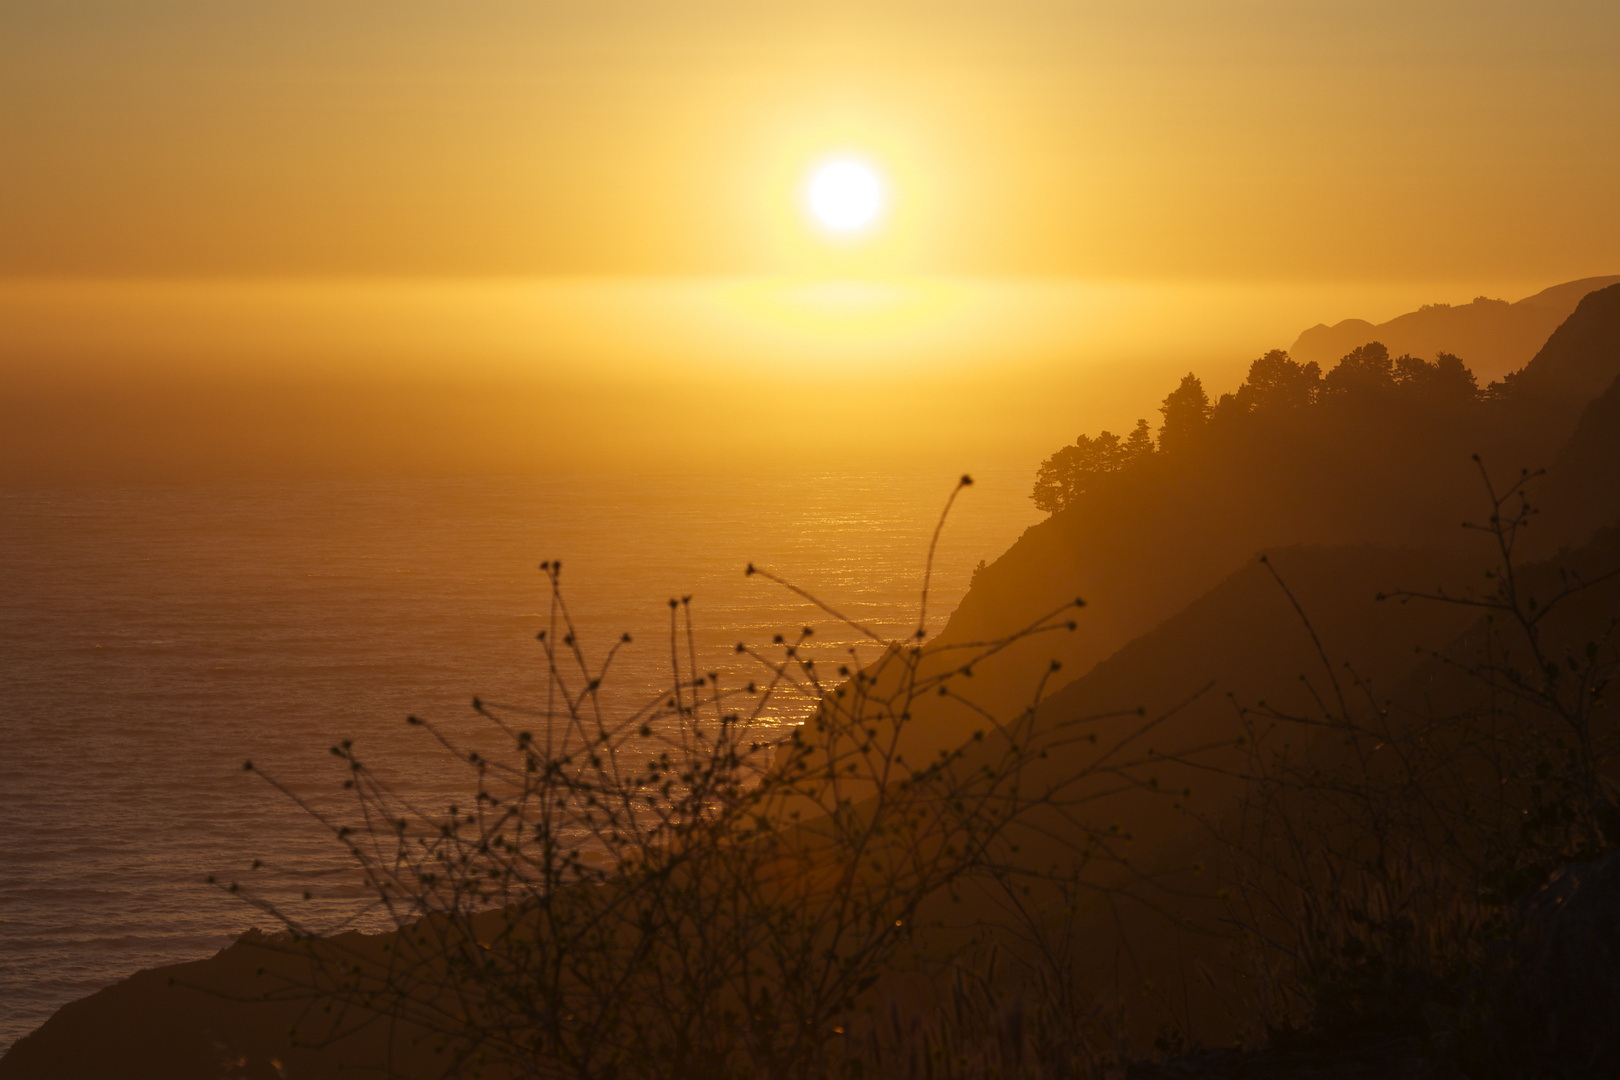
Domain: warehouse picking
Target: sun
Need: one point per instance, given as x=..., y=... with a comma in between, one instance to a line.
x=845, y=195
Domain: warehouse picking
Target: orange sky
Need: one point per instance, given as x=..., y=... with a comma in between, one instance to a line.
x=1161, y=138
x=515, y=233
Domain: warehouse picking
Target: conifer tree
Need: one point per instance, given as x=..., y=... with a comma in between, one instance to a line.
x=1186, y=414
x=1140, y=443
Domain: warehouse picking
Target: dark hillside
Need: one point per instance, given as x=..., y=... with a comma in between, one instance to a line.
x=1582, y=490
x=206, y=1020
x=1155, y=933
x=1242, y=641
x=1378, y=464
x=1577, y=364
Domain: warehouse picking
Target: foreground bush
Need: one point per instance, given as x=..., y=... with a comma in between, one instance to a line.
x=674, y=890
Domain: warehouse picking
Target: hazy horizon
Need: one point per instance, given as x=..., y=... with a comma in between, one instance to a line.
x=411, y=216
x=317, y=375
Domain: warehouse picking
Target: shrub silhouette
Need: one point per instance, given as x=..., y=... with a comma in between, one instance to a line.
x=674, y=892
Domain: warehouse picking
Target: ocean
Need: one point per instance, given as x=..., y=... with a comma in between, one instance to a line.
x=154, y=636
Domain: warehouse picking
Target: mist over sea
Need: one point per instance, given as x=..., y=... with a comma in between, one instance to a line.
x=156, y=635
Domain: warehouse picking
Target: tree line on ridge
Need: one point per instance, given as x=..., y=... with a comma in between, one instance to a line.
x=1276, y=384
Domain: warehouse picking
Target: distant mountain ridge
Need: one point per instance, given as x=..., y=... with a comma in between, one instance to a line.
x=1494, y=337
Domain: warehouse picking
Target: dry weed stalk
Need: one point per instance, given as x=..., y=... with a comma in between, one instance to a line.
x=673, y=891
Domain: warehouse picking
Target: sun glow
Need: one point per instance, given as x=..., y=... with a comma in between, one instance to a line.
x=845, y=196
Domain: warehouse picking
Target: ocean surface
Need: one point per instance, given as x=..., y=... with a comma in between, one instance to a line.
x=153, y=637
